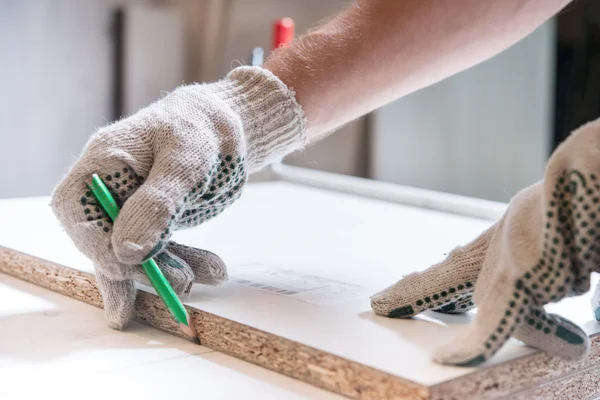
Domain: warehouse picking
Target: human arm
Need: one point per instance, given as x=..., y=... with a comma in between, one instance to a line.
x=376, y=51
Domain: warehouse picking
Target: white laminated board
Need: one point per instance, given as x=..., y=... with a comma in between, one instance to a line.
x=303, y=262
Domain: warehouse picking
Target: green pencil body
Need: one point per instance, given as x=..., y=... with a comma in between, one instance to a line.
x=155, y=275
x=165, y=291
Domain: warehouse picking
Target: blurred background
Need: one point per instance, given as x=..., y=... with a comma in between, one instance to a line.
x=70, y=66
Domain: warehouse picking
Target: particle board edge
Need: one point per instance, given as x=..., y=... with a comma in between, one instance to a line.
x=281, y=355
x=581, y=385
x=304, y=363
x=523, y=374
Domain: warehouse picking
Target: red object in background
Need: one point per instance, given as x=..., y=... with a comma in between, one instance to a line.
x=283, y=32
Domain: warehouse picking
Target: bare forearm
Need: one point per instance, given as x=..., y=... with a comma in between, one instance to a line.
x=379, y=50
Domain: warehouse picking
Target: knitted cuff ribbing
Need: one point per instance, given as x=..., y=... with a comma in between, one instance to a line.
x=273, y=121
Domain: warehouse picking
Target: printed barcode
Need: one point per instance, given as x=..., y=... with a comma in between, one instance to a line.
x=264, y=287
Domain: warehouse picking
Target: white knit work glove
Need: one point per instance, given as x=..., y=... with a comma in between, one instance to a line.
x=543, y=249
x=173, y=165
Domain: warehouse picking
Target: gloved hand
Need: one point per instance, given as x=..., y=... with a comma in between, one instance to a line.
x=543, y=249
x=173, y=165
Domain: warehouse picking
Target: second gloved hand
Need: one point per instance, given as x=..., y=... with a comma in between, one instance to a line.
x=173, y=165
x=543, y=249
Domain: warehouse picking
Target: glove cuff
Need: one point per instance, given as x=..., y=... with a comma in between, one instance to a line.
x=273, y=122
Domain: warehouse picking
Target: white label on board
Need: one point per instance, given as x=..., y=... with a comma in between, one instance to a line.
x=308, y=288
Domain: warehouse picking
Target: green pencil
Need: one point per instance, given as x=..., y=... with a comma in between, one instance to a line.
x=155, y=275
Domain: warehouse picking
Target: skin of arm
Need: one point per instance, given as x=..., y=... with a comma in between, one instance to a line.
x=377, y=51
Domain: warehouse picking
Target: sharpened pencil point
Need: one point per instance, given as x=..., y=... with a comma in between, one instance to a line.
x=189, y=330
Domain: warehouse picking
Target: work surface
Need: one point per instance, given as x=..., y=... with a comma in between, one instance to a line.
x=53, y=345
x=303, y=263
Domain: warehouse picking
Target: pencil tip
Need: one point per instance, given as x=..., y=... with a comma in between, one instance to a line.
x=190, y=331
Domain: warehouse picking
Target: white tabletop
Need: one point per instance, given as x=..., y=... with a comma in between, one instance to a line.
x=52, y=346
x=334, y=249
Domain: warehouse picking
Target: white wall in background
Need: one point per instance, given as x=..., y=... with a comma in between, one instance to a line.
x=485, y=132
x=55, y=80
x=154, y=54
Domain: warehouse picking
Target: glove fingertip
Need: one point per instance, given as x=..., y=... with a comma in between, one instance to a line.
x=118, y=311
x=117, y=320
x=217, y=270
x=386, y=304
x=118, y=298
x=143, y=227
x=208, y=268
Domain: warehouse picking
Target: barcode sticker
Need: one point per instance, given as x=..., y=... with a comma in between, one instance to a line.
x=308, y=288
x=264, y=287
